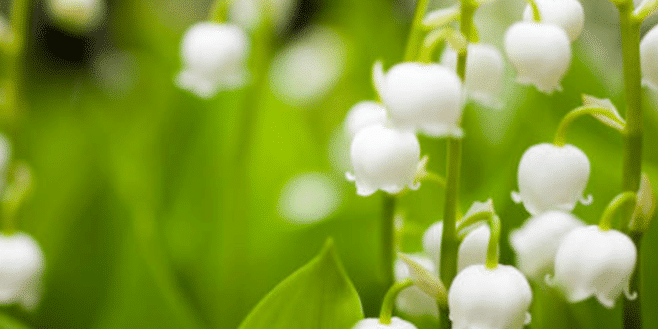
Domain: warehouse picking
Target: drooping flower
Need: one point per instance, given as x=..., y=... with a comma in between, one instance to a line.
x=537, y=241
x=373, y=323
x=594, y=262
x=484, y=72
x=649, y=59
x=567, y=14
x=496, y=298
x=412, y=300
x=540, y=53
x=552, y=177
x=384, y=159
x=213, y=57
x=362, y=115
x=77, y=15
x=21, y=268
x=472, y=250
x=421, y=97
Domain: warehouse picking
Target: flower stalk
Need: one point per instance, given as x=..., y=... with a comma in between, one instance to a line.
x=386, y=312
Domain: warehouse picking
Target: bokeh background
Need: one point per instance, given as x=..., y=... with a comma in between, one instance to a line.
x=156, y=209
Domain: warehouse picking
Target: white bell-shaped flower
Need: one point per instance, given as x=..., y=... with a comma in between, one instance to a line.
x=214, y=58
x=567, y=14
x=484, y=72
x=384, y=159
x=649, y=59
x=373, y=323
x=423, y=97
x=496, y=298
x=593, y=262
x=472, y=250
x=21, y=267
x=540, y=53
x=77, y=15
x=552, y=178
x=362, y=115
x=537, y=241
x=412, y=300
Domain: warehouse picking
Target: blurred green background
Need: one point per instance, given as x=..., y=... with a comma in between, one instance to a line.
x=153, y=211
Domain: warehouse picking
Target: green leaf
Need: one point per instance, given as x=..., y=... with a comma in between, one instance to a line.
x=8, y=322
x=318, y=295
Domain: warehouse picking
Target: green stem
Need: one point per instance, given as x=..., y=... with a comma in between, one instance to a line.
x=632, y=163
x=613, y=207
x=494, y=238
x=20, y=15
x=430, y=43
x=561, y=133
x=389, y=300
x=416, y=33
x=536, y=15
x=389, y=248
x=219, y=11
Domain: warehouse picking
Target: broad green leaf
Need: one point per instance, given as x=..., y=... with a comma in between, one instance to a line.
x=319, y=295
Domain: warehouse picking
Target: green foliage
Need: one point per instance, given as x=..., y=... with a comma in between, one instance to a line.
x=317, y=296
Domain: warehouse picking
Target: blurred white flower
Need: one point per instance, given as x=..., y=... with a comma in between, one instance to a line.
x=649, y=59
x=423, y=97
x=373, y=323
x=496, y=298
x=592, y=262
x=412, y=300
x=307, y=70
x=472, y=250
x=541, y=54
x=537, y=241
x=77, y=15
x=248, y=13
x=484, y=72
x=214, y=58
x=567, y=14
x=552, y=177
x=362, y=115
x=21, y=267
x=309, y=198
x=384, y=159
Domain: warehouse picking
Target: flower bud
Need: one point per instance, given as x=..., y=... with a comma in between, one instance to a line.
x=592, y=262
x=373, y=323
x=649, y=59
x=384, y=159
x=484, y=72
x=541, y=54
x=552, y=178
x=412, y=300
x=362, y=115
x=21, y=268
x=77, y=15
x=213, y=57
x=567, y=14
x=496, y=298
x=423, y=97
x=537, y=241
x=472, y=250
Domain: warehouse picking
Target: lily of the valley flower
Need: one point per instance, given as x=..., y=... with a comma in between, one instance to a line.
x=213, y=57
x=567, y=14
x=552, y=177
x=362, y=115
x=649, y=59
x=593, y=262
x=496, y=298
x=373, y=323
x=412, y=300
x=472, y=250
x=537, y=241
x=77, y=15
x=484, y=72
x=21, y=270
x=384, y=159
x=541, y=54
x=421, y=97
